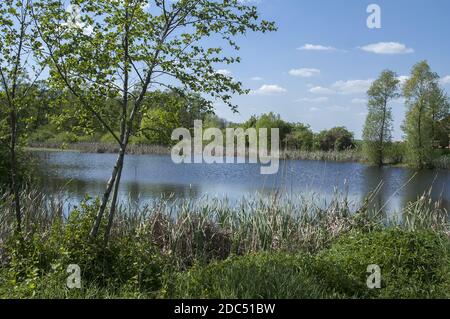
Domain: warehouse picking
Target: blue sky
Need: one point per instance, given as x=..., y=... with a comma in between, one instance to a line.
x=316, y=68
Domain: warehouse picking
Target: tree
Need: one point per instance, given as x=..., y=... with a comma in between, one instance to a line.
x=439, y=108
x=420, y=92
x=271, y=120
x=168, y=111
x=335, y=139
x=378, y=127
x=122, y=49
x=301, y=137
x=16, y=67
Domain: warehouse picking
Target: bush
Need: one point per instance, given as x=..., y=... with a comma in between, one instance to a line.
x=413, y=265
x=38, y=263
x=254, y=276
x=396, y=153
x=335, y=139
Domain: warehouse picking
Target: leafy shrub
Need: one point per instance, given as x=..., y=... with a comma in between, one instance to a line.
x=253, y=276
x=396, y=153
x=40, y=260
x=413, y=265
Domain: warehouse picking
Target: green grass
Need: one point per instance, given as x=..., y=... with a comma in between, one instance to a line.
x=263, y=248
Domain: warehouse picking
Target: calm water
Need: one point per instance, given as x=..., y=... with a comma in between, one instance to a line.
x=151, y=176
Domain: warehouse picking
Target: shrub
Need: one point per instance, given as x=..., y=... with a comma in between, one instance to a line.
x=395, y=153
x=413, y=264
x=254, y=276
x=38, y=262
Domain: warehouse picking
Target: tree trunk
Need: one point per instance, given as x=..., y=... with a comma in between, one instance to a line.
x=113, y=207
x=383, y=125
x=107, y=195
x=13, y=171
x=419, y=131
x=124, y=135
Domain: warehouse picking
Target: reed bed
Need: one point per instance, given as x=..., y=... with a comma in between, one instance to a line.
x=209, y=229
x=99, y=147
x=209, y=248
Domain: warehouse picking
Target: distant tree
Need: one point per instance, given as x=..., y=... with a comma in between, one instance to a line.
x=335, y=139
x=166, y=111
x=440, y=108
x=251, y=122
x=270, y=121
x=213, y=121
x=378, y=127
x=301, y=137
x=420, y=92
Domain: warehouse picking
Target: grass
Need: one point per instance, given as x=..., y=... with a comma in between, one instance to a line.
x=352, y=155
x=272, y=247
x=99, y=147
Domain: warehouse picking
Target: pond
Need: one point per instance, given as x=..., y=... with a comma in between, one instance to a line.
x=148, y=177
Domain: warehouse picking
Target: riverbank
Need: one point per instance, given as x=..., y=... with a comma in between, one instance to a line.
x=263, y=248
x=98, y=147
x=351, y=155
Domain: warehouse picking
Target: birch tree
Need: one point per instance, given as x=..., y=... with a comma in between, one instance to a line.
x=18, y=74
x=123, y=49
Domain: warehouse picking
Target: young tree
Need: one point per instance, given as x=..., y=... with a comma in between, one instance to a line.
x=420, y=92
x=378, y=127
x=126, y=48
x=439, y=108
x=16, y=66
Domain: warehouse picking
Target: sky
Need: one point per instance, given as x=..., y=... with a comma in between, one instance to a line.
x=317, y=67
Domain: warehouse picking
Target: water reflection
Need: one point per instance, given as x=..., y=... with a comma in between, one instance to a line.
x=148, y=176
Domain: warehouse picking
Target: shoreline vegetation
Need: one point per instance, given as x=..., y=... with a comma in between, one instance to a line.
x=271, y=247
x=350, y=155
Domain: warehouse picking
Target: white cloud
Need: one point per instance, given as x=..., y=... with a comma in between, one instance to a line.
x=257, y=78
x=224, y=72
x=269, y=89
x=387, y=48
x=316, y=47
x=313, y=99
x=352, y=86
x=445, y=79
x=320, y=90
x=304, y=72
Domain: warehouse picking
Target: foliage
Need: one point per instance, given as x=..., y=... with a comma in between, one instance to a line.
x=254, y=276
x=413, y=264
x=424, y=101
x=301, y=138
x=130, y=262
x=270, y=121
x=262, y=248
x=335, y=139
x=168, y=111
x=378, y=127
